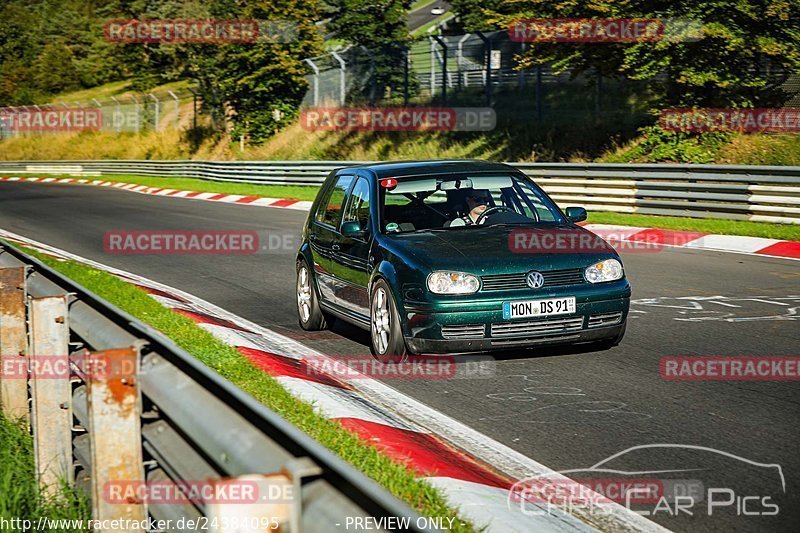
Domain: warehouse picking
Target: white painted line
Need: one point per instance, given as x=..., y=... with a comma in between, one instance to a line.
x=505, y=459
x=231, y=198
x=300, y=206
x=733, y=243
x=488, y=507
x=264, y=201
x=205, y=195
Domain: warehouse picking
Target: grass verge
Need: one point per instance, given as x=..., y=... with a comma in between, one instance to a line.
x=232, y=365
x=19, y=490
x=787, y=232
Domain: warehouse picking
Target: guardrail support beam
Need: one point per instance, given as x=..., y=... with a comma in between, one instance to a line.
x=13, y=341
x=114, y=407
x=51, y=393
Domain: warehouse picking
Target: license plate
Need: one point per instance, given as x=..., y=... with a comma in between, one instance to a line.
x=530, y=308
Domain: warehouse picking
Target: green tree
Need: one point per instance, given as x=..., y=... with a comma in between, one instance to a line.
x=262, y=84
x=741, y=40
x=379, y=26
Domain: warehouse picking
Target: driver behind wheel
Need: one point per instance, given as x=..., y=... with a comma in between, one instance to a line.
x=477, y=201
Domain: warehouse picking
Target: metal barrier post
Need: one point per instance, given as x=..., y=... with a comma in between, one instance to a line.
x=342, y=77
x=13, y=340
x=155, y=119
x=315, y=85
x=443, y=44
x=117, y=115
x=114, y=408
x=177, y=109
x=51, y=393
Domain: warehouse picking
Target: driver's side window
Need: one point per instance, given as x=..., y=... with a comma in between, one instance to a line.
x=358, y=206
x=330, y=210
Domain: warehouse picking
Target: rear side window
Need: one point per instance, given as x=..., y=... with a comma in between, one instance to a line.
x=330, y=209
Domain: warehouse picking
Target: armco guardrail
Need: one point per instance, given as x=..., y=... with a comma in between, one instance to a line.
x=144, y=415
x=760, y=193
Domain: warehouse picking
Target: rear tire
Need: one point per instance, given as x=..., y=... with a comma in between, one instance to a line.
x=309, y=313
x=388, y=344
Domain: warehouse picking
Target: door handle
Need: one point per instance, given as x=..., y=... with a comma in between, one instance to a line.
x=335, y=248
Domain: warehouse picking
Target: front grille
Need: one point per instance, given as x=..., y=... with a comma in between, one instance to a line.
x=608, y=319
x=537, y=327
x=464, y=331
x=552, y=278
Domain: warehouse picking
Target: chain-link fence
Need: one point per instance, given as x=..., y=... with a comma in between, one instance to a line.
x=125, y=113
x=482, y=69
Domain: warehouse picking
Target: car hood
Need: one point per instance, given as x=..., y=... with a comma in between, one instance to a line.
x=500, y=250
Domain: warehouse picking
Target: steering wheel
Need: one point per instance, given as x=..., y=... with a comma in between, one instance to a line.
x=490, y=211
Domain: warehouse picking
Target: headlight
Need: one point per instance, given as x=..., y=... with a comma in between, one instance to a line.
x=608, y=270
x=446, y=282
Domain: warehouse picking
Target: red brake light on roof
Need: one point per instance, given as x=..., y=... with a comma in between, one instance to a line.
x=388, y=183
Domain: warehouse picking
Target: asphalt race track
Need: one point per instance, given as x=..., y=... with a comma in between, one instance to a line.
x=566, y=408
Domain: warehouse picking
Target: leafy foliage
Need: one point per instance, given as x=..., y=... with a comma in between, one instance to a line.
x=741, y=42
x=380, y=27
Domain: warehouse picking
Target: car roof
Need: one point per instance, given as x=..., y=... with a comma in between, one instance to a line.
x=401, y=169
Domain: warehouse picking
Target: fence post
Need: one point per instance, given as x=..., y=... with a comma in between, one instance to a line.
x=406, y=69
x=155, y=119
x=487, y=41
x=136, y=112
x=117, y=115
x=194, y=108
x=433, y=66
x=539, y=93
x=342, y=78
x=13, y=341
x=177, y=109
x=315, y=85
x=443, y=44
x=114, y=408
x=51, y=393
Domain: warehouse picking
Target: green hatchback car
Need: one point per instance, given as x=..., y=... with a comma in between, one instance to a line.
x=436, y=257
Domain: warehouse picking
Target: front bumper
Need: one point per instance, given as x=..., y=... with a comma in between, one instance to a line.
x=479, y=326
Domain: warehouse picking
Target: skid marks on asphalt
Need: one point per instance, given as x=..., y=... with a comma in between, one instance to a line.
x=721, y=308
x=533, y=387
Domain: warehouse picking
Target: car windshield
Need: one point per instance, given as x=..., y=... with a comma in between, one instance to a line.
x=467, y=201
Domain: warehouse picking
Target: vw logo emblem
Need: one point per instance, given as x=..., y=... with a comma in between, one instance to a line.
x=534, y=279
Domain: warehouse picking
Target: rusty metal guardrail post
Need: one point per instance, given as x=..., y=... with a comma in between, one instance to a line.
x=13, y=342
x=150, y=416
x=114, y=408
x=51, y=412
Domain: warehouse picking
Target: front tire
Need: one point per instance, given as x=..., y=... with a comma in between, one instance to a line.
x=388, y=345
x=309, y=313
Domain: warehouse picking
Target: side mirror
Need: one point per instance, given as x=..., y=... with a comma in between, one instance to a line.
x=576, y=214
x=352, y=228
